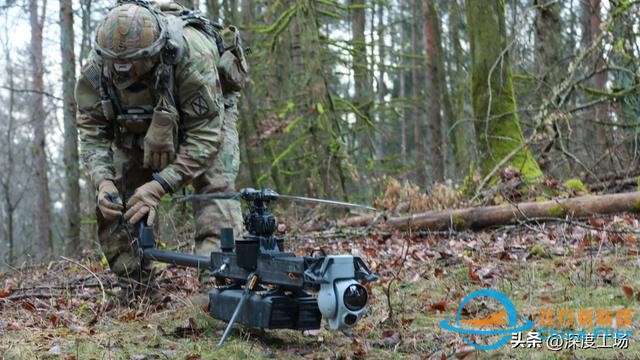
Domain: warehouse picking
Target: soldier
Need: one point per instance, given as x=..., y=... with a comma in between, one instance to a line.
x=153, y=116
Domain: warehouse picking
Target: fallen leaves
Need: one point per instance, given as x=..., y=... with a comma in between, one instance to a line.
x=606, y=273
x=390, y=338
x=597, y=222
x=189, y=330
x=472, y=275
x=360, y=347
x=438, y=306
x=8, y=289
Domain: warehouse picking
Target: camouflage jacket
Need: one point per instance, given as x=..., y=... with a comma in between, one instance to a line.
x=198, y=95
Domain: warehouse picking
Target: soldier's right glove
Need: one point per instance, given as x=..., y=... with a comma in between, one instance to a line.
x=144, y=201
x=109, y=202
x=159, y=149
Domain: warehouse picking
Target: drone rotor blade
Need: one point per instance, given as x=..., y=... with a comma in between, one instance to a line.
x=212, y=196
x=327, y=202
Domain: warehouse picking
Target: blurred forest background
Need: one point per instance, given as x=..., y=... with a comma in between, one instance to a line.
x=345, y=95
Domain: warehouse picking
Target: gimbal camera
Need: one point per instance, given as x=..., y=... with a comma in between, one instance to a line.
x=262, y=285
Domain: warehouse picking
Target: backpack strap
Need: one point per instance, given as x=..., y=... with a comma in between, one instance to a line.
x=172, y=51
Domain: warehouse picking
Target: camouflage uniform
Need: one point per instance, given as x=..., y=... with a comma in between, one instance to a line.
x=207, y=156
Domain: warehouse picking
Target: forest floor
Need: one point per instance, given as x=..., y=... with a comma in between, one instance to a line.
x=57, y=311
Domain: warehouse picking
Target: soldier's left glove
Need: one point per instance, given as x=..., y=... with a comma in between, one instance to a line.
x=159, y=149
x=144, y=201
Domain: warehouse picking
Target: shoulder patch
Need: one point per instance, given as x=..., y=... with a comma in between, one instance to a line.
x=92, y=73
x=199, y=105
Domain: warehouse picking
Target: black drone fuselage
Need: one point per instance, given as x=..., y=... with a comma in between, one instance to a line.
x=278, y=300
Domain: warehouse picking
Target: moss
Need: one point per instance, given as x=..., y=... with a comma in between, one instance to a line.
x=469, y=185
x=636, y=206
x=575, y=185
x=458, y=222
x=559, y=210
x=537, y=251
x=546, y=191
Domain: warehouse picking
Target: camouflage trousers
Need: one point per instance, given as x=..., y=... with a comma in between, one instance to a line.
x=209, y=216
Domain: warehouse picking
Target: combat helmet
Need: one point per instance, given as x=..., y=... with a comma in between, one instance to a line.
x=130, y=41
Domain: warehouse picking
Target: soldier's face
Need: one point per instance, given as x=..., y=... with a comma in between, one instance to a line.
x=125, y=73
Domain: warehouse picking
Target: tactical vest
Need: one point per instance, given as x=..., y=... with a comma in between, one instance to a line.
x=132, y=121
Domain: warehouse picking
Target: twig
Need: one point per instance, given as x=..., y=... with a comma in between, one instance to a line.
x=66, y=287
x=380, y=216
x=387, y=290
x=31, y=91
x=13, y=298
x=499, y=165
x=104, y=294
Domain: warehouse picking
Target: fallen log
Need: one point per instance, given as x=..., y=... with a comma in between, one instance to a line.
x=476, y=218
x=360, y=220
x=615, y=184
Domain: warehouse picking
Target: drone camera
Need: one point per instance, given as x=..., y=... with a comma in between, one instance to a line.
x=342, y=300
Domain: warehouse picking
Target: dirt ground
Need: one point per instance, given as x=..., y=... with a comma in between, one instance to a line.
x=59, y=311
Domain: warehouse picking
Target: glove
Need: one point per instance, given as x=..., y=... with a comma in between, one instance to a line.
x=159, y=150
x=109, y=201
x=144, y=201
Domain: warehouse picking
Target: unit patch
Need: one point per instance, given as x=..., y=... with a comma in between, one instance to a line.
x=92, y=74
x=200, y=106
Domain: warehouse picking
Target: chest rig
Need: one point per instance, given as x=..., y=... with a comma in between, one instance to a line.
x=131, y=109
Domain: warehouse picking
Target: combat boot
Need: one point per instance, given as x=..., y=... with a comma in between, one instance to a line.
x=204, y=247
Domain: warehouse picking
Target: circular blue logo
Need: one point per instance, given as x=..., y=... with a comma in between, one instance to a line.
x=512, y=320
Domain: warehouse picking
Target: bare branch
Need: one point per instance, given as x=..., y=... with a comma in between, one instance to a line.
x=45, y=93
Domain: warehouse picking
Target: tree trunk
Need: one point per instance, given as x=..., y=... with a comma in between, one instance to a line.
x=85, y=44
x=213, y=9
x=592, y=139
x=234, y=11
x=247, y=122
x=627, y=108
x=433, y=89
x=71, y=161
x=598, y=82
x=7, y=178
x=318, y=144
x=548, y=27
x=402, y=93
x=381, y=88
x=361, y=76
x=496, y=121
x=548, y=55
x=476, y=218
x=600, y=77
x=41, y=246
x=421, y=177
x=461, y=130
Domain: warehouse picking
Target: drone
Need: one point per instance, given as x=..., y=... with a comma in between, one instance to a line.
x=259, y=284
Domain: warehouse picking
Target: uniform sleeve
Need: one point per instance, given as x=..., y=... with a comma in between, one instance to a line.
x=199, y=101
x=94, y=131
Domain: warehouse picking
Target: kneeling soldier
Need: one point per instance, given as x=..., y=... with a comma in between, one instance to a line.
x=151, y=119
